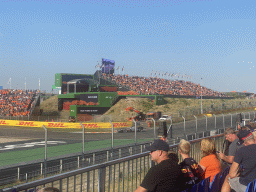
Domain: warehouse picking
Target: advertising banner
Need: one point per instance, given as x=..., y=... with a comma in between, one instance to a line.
x=63, y=125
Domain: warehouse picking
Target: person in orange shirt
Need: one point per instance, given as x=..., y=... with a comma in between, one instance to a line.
x=210, y=164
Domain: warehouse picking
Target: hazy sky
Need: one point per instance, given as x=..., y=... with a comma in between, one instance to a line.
x=213, y=40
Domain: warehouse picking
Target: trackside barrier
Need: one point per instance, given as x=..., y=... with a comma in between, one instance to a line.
x=123, y=174
x=64, y=125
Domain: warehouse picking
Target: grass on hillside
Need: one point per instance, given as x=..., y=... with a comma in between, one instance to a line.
x=172, y=106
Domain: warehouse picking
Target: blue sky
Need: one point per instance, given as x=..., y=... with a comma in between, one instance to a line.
x=213, y=40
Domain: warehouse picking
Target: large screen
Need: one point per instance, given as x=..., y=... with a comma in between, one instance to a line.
x=79, y=87
x=108, y=66
x=91, y=110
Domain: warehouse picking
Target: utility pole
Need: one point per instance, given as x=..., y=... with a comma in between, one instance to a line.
x=39, y=84
x=25, y=84
x=201, y=98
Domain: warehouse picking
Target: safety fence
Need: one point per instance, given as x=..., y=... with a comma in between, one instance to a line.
x=123, y=174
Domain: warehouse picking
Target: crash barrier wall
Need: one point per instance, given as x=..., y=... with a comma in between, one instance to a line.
x=55, y=118
x=64, y=125
x=124, y=174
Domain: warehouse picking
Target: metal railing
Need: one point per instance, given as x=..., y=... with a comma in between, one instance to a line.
x=124, y=174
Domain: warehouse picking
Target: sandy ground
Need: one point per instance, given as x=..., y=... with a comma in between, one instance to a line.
x=11, y=139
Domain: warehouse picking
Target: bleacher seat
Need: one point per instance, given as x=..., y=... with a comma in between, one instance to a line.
x=215, y=183
x=202, y=186
x=251, y=187
x=223, y=176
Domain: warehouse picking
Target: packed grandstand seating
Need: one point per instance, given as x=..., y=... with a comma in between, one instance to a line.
x=153, y=85
x=16, y=102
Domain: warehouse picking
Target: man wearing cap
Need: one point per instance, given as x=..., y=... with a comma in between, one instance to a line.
x=230, y=136
x=166, y=175
x=245, y=157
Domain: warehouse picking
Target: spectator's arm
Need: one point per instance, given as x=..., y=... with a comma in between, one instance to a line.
x=228, y=159
x=234, y=170
x=141, y=189
x=202, y=168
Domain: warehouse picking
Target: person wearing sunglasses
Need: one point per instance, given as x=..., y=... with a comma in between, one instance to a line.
x=166, y=175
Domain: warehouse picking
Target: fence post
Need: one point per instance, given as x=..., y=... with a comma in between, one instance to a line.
x=61, y=165
x=45, y=152
x=243, y=113
x=215, y=120
x=223, y=121
x=205, y=122
x=154, y=127
x=18, y=173
x=184, y=124
x=77, y=161
x=231, y=119
x=135, y=131
x=196, y=123
x=112, y=135
x=82, y=139
x=101, y=179
x=41, y=168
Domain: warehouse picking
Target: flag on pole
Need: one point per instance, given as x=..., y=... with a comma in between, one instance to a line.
x=9, y=82
x=117, y=68
x=123, y=68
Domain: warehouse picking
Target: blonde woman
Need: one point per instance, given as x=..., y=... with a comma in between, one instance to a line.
x=210, y=164
x=189, y=167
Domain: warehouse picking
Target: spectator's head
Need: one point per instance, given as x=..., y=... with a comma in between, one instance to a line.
x=49, y=189
x=158, y=150
x=184, y=147
x=173, y=156
x=245, y=128
x=230, y=135
x=208, y=147
x=245, y=137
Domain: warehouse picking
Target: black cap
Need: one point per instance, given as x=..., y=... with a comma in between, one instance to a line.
x=158, y=145
x=242, y=135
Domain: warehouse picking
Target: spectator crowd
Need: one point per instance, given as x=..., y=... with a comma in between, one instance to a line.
x=16, y=102
x=236, y=164
x=154, y=85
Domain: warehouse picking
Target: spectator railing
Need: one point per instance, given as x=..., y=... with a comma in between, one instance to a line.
x=123, y=174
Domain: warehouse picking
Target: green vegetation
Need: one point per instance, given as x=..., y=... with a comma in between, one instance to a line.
x=13, y=157
x=173, y=106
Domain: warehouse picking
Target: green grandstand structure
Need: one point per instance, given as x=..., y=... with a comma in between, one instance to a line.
x=85, y=95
